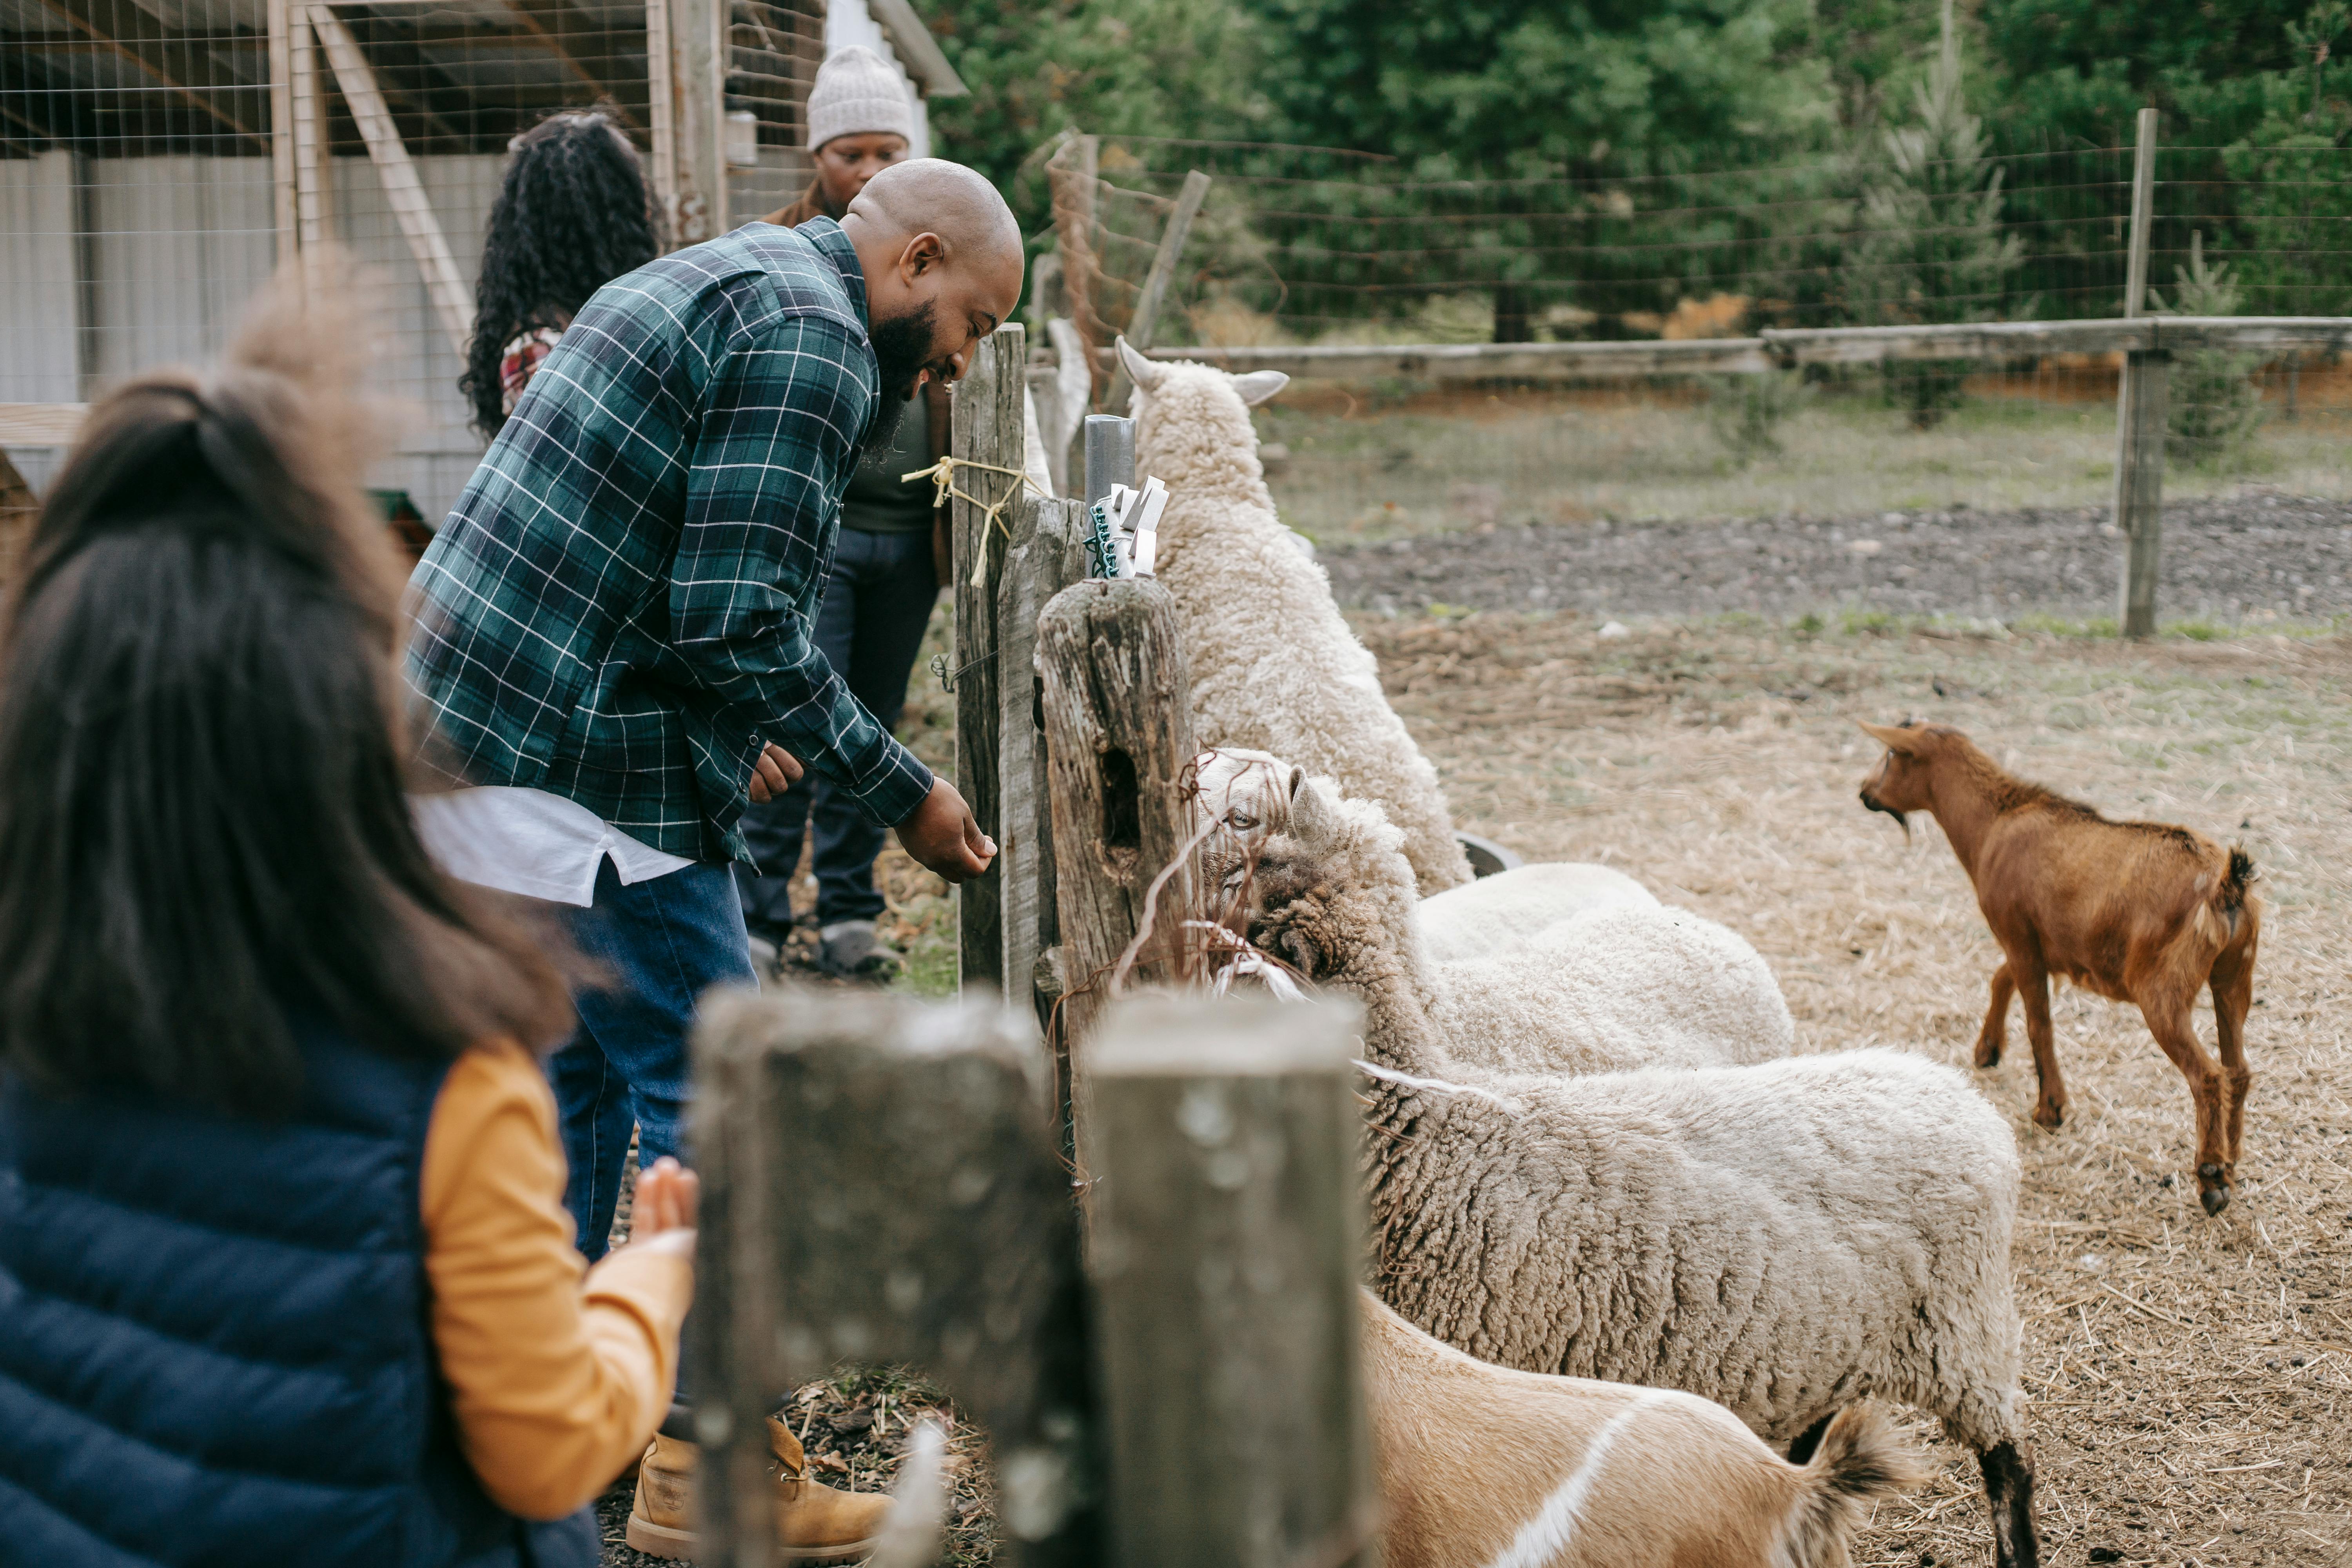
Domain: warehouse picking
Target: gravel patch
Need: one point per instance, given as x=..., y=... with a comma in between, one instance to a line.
x=2252, y=556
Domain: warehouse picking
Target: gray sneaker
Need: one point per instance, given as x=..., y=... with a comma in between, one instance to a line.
x=850, y=951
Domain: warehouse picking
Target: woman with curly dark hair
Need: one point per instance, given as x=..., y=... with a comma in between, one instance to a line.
x=573, y=214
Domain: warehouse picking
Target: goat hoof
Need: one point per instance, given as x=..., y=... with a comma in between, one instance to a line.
x=2212, y=1188
x=2049, y=1116
x=1988, y=1056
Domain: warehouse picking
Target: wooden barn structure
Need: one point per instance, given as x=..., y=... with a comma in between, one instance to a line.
x=158, y=158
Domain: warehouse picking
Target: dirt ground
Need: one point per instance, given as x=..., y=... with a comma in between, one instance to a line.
x=2189, y=1377
x=2253, y=555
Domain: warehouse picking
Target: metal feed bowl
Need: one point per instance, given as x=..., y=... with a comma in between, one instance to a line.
x=1486, y=855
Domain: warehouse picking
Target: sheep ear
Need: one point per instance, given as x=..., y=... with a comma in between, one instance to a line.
x=1903, y=743
x=1258, y=386
x=1313, y=822
x=1146, y=373
x=1297, y=777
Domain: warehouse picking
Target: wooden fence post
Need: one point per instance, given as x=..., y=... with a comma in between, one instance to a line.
x=1118, y=742
x=988, y=429
x=2141, y=414
x=1225, y=1244
x=878, y=1184
x=696, y=33
x=1144, y=324
x=1048, y=554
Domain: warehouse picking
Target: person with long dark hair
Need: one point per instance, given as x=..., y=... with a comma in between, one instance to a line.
x=573, y=214
x=284, y=1265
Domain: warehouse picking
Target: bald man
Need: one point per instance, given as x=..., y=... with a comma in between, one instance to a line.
x=613, y=640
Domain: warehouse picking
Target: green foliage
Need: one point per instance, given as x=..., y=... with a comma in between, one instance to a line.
x=1746, y=412
x=2214, y=407
x=1933, y=249
x=1133, y=68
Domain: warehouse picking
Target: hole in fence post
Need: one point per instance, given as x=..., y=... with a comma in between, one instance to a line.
x=1122, y=815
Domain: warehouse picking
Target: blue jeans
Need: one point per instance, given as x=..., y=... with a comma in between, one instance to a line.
x=877, y=602
x=662, y=943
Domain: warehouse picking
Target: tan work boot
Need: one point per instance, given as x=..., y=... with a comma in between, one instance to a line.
x=814, y=1523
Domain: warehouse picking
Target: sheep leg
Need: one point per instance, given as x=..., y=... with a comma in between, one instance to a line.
x=2009, y=1489
x=2169, y=1020
x=2233, y=991
x=2034, y=984
x=1801, y=1452
x=1994, y=1036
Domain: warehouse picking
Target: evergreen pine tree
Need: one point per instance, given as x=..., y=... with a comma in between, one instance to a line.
x=1932, y=248
x=2214, y=407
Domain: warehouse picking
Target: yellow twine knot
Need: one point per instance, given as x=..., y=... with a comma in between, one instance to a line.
x=942, y=477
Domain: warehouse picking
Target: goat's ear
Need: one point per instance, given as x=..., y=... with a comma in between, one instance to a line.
x=1258, y=386
x=1903, y=743
x=1146, y=373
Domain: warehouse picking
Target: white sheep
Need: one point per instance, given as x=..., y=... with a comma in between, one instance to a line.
x=1479, y=1463
x=1609, y=984
x=1273, y=664
x=1785, y=1239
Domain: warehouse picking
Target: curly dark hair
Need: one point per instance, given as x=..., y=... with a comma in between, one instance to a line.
x=573, y=214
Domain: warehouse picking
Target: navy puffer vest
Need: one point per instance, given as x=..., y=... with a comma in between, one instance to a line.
x=213, y=1341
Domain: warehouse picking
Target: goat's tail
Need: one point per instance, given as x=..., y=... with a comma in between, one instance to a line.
x=1860, y=1460
x=2241, y=877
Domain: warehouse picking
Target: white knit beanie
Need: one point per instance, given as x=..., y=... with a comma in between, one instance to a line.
x=858, y=93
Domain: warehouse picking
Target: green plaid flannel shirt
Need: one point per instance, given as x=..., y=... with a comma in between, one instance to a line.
x=619, y=607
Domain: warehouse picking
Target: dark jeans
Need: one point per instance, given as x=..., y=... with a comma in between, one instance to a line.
x=662, y=943
x=877, y=603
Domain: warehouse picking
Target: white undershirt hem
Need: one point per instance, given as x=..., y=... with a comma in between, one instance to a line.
x=530, y=842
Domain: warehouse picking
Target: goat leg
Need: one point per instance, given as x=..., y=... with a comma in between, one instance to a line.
x=2033, y=984
x=1995, y=1033
x=2169, y=1020
x=2009, y=1489
x=2233, y=981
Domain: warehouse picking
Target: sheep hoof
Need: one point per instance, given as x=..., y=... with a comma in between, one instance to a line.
x=2212, y=1189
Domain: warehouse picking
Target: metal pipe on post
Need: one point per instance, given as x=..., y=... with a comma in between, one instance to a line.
x=2141, y=414
x=1225, y=1243
x=1110, y=455
x=988, y=429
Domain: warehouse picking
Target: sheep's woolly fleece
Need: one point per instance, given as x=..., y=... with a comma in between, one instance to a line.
x=1784, y=1238
x=1575, y=968
x=1274, y=666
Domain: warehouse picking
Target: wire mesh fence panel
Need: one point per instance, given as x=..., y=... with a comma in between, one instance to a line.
x=1315, y=247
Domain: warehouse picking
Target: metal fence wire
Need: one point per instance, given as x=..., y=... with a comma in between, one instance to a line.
x=1309, y=246
x=143, y=195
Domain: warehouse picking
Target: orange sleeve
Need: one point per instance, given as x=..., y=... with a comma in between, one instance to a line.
x=556, y=1383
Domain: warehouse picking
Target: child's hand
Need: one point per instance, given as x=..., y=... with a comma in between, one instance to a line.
x=667, y=1196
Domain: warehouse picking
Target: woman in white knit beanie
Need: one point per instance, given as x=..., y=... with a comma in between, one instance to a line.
x=859, y=124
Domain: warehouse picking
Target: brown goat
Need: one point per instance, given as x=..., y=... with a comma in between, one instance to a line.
x=2136, y=911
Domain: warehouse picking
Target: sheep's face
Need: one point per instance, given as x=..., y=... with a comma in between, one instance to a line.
x=1280, y=891
x=1903, y=780
x=1239, y=797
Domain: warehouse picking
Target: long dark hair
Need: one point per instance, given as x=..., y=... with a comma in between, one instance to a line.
x=203, y=816
x=571, y=215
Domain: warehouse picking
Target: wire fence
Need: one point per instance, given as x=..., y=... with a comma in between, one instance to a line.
x=145, y=190
x=1310, y=247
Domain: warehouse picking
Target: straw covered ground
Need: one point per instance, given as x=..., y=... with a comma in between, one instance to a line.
x=2189, y=1378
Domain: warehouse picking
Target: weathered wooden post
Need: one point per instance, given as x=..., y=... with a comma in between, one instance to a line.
x=2141, y=414
x=988, y=429
x=1118, y=741
x=880, y=1185
x=1048, y=554
x=1225, y=1243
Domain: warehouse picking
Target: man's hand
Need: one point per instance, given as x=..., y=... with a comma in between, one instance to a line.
x=942, y=834
x=777, y=770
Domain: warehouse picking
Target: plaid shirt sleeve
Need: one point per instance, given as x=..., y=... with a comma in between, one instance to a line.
x=782, y=415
